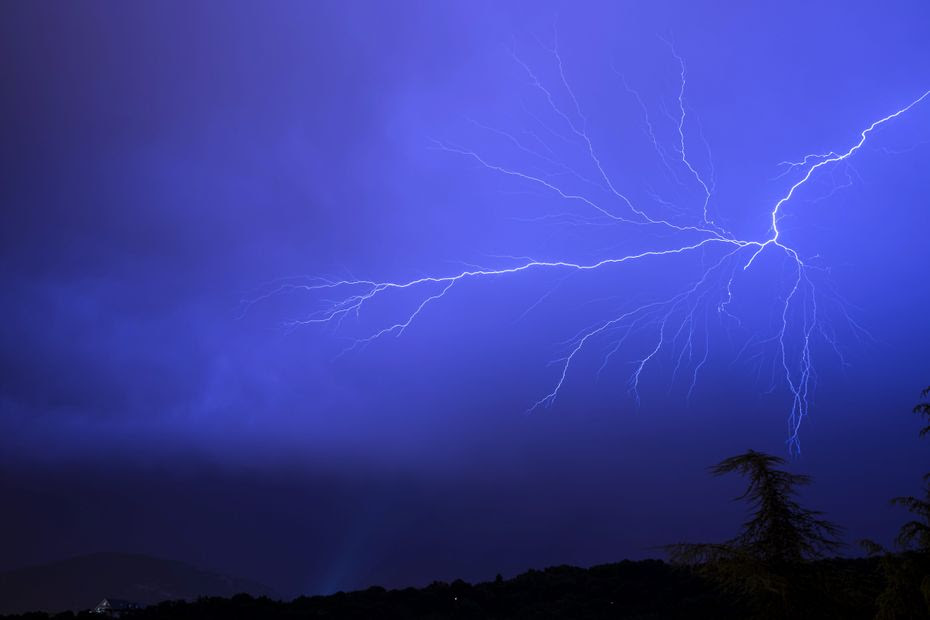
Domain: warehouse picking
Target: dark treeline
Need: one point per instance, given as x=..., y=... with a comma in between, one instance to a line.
x=644, y=589
x=779, y=565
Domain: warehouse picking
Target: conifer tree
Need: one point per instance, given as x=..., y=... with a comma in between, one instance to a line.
x=779, y=530
x=907, y=572
x=915, y=534
x=767, y=561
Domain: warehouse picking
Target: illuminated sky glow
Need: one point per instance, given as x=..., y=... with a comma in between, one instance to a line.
x=674, y=322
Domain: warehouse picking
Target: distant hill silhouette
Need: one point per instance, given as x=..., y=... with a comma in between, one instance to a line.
x=81, y=582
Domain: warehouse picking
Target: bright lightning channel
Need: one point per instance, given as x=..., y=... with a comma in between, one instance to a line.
x=675, y=317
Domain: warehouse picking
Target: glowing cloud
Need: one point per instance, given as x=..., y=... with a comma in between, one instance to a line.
x=674, y=320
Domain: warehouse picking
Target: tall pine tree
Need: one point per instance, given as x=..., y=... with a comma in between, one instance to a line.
x=765, y=562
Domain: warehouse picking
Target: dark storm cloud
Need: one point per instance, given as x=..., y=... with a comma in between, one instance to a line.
x=153, y=156
x=162, y=164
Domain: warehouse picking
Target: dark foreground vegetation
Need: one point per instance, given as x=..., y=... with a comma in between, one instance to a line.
x=81, y=582
x=781, y=564
x=645, y=589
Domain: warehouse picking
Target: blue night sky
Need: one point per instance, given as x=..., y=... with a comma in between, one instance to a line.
x=165, y=161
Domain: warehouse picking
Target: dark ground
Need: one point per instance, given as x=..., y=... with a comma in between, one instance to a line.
x=840, y=588
x=81, y=582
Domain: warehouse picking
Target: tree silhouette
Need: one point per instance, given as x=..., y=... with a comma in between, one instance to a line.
x=779, y=530
x=924, y=409
x=915, y=534
x=907, y=573
x=764, y=561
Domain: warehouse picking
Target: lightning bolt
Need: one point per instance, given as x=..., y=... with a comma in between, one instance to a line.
x=672, y=321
